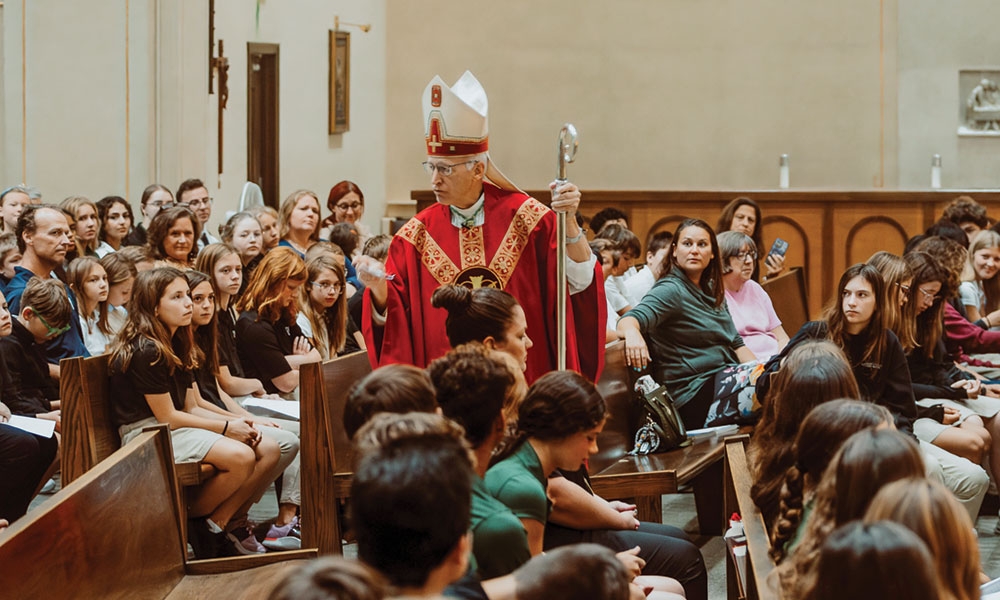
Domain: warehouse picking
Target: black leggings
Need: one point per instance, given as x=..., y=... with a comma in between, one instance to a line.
x=667, y=551
x=24, y=458
x=695, y=411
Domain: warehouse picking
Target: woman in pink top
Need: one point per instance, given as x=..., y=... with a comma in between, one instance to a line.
x=749, y=305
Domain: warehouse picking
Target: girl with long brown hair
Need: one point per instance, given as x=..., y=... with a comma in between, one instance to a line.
x=152, y=365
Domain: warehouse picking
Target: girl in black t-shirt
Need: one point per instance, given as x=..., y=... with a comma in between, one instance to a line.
x=222, y=263
x=271, y=346
x=217, y=400
x=152, y=382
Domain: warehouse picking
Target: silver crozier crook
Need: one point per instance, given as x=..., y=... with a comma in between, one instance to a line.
x=567, y=152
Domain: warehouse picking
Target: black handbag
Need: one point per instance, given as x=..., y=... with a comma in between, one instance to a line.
x=662, y=428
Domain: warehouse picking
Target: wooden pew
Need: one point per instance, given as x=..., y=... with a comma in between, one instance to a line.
x=617, y=474
x=89, y=434
x=788, y=294
x=737, y=496
x=325, y=450
x=115, y=532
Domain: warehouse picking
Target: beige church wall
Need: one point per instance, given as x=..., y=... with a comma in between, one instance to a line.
x=664, y=94
x=310, y=157
x=76, y=97
x=7, y=179
x=936, y=41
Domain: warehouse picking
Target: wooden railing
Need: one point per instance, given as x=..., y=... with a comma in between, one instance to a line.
x=827, y=230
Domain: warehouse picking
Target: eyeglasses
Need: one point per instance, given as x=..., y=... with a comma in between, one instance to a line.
x=928, y=295
x=323, y=287
x=747, y=255
x=904, y=288
x=52, y=331
x=443, y=168
x=346, y=207
x=199, y=202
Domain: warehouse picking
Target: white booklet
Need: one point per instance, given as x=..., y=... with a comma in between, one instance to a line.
x=278, y=409
x=990, y=590
x=39, y=427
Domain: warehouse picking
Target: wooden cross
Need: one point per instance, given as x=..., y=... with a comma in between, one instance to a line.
x=221, y=65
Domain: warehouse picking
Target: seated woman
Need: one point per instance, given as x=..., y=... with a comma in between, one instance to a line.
x=962, y=337
x=347, y=205
x=980, y=288
x=822, y=433
x=89, y=281
x=121, y=277
x=172, y=237
x=743, y=215
x=748, y=303
x=115, y=216
x=298, y=221
x=519, y=476
x=243, y=232
x=222, y=262
x=884, y=559
x=897, y=277
x=814, y=373
x=213, y=399
x=495, y=319
x=268, y=219
x=970, y=412
x=323, y=314
x=270, y=345
x=867, y=461
x=84, y=223
x=152, y=382
x=854, y=321
x=929, y=510
x=682, y=325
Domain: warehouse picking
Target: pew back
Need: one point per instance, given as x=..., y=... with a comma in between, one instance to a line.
x=111, y=532
x=88, y=431
x=325, y=451
x=738, y=500
x=616, y=387
x=788, y=294
x=116, y=532
x=89, y=434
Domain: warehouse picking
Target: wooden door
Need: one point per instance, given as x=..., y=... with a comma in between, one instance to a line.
x=262, y=119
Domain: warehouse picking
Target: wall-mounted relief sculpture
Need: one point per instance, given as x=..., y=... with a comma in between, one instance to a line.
x=979, y=90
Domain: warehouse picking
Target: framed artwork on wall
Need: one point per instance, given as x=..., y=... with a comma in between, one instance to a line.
x=340, y=81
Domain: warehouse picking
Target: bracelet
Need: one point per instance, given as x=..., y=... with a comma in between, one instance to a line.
x=576, y=238
x=225, y=427
x=987, y=321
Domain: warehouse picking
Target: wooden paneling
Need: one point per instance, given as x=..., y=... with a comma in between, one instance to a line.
x=827, y=230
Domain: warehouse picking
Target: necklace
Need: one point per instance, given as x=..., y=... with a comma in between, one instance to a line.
x=470, y=222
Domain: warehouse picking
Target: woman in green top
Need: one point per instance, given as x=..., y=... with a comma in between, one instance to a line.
x=682, y=326
x=557, y=426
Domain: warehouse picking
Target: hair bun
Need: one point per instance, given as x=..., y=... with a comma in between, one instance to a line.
x=455, y=299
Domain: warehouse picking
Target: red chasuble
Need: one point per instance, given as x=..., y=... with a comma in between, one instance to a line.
x=514, y=250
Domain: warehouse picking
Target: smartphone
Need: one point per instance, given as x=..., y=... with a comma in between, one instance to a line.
x=779, y=248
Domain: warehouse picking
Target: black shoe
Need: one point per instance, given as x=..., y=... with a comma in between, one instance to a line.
x=230, y=545
x=203, y=540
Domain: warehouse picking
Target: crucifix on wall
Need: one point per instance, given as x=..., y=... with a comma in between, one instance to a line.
x=217, y=65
